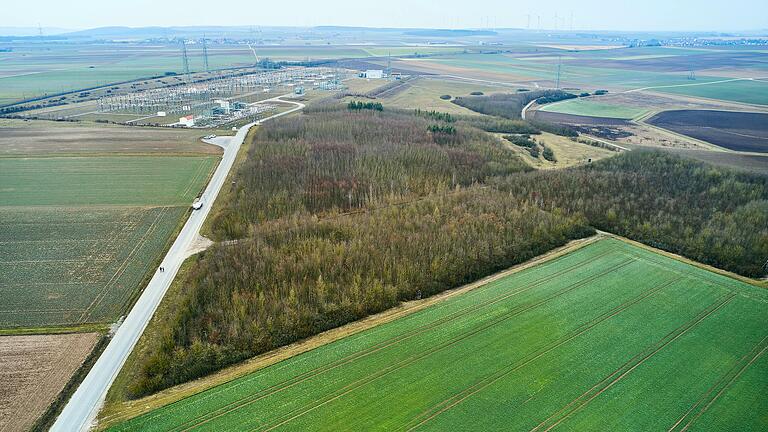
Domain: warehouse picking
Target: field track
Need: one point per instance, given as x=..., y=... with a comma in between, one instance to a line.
x=425, y=371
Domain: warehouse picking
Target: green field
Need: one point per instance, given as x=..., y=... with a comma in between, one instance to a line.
x=592, y=77
x=79, y=234
x=609, y=337
x=753, y=92
x=109, y=180
x=38, y=69
x=592, y=108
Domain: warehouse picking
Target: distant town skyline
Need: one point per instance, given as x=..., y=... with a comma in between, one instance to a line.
x=649, y=15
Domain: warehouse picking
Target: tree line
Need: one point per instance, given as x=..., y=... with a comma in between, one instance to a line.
x=710, y=214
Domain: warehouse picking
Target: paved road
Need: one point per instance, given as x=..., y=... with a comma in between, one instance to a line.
x=85, y=403
x=525, y=109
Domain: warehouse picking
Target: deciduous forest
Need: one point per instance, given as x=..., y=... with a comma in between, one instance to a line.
x=344, y=159
x=707, y=213
x=341, y=213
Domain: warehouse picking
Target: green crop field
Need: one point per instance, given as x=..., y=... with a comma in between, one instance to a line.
x=38, y=69
x=109, y=180
x=592, y=108
x=597, y=76
x=747, y=91
x=609, y=337
x=80, y=233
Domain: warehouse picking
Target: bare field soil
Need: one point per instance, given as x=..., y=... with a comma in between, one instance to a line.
x=570, y=119
x=20, y=137
x=430, y=67
x=746, y=162
x=681, y=63
x=737, y=131
x=33, y=370
x=645, y=135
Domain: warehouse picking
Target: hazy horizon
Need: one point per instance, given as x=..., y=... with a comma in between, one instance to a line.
x=590, y=15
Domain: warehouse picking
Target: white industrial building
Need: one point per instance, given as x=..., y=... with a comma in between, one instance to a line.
x=187, y=121
x=374, y=74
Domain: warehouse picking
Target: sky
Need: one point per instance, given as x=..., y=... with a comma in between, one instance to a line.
x=651, y=15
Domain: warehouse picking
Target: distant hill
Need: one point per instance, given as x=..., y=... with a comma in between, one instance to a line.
x=159, y=32
x=450, y=33
x=240, y=31
x=31, y=31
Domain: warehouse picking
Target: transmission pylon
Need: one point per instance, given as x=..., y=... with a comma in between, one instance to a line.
x=205, y=55
x=559, y=69
x=185, y=58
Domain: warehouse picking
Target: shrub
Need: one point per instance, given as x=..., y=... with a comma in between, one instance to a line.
x=556, y=97
x=357, y=106
x=521, y=140
x=435, y=115
x=507, y=105
x=549, y=154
